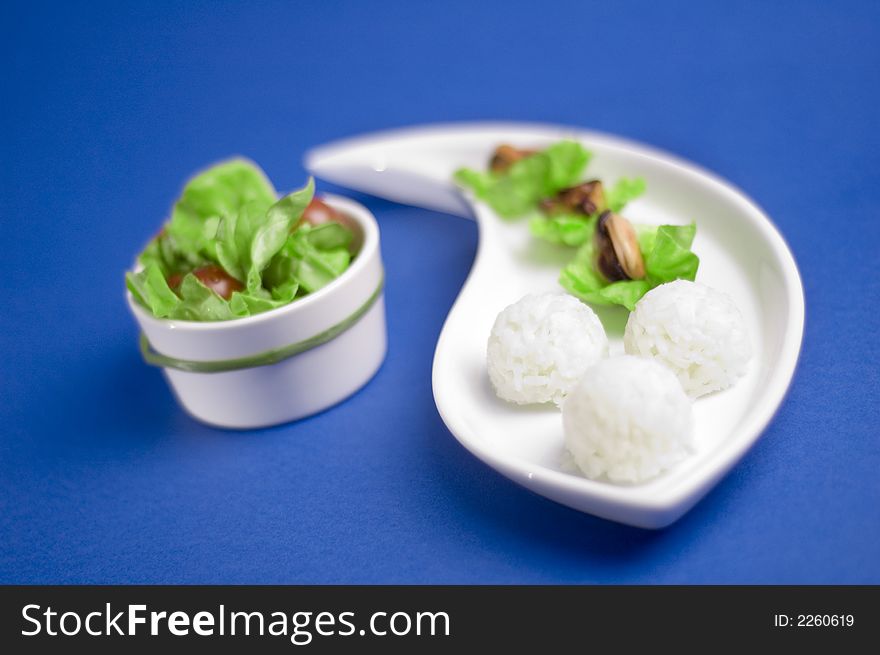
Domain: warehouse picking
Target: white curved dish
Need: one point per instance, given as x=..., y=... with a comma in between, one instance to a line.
x=741, y=252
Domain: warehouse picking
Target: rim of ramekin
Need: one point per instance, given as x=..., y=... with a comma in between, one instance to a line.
x=355, y=210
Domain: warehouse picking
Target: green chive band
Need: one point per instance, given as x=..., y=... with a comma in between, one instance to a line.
x=266, y=358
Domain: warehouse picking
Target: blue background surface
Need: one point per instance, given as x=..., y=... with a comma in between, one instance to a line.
x=106, y=110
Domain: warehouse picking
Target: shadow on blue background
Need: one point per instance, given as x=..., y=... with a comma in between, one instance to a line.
x=108, y=109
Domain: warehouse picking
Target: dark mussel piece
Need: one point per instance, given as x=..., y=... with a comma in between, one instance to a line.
x=617, y=249
x=587, y=198
x=606, y=260
x=506, y=156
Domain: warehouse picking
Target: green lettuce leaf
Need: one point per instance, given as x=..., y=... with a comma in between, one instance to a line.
x=625, y=190
x=518, y=192
x=515, y=192
x=229, y=215
x=232, y=240
x=576, y=229
x=193, y=302
x=224, y=188
x=247, y=241
x=566, y=161
x=671, y=257
x=189, y=236
x=581, y=279
x=214, y=195
x=667, y=255
x=160, y=253
x=478, y=181
x=199, y=303
x=196, y=302
x=311, y=258
x=149, y=288
x=248, y=304
x=328, y=236
x=314, y=267
x=272, y=234
x=564, y=229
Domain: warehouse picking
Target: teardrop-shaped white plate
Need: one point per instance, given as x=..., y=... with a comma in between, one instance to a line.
x=741, y=253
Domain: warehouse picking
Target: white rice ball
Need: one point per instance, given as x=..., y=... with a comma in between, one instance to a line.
x=696, y=331
x=540, y=347
x=628, y=420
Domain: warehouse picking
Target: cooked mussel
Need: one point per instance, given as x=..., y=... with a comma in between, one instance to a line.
x=618, y=256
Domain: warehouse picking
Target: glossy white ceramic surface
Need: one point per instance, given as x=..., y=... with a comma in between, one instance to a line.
x=741, y=252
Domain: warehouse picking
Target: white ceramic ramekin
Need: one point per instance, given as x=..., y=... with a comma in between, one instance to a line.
x=350, y=309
